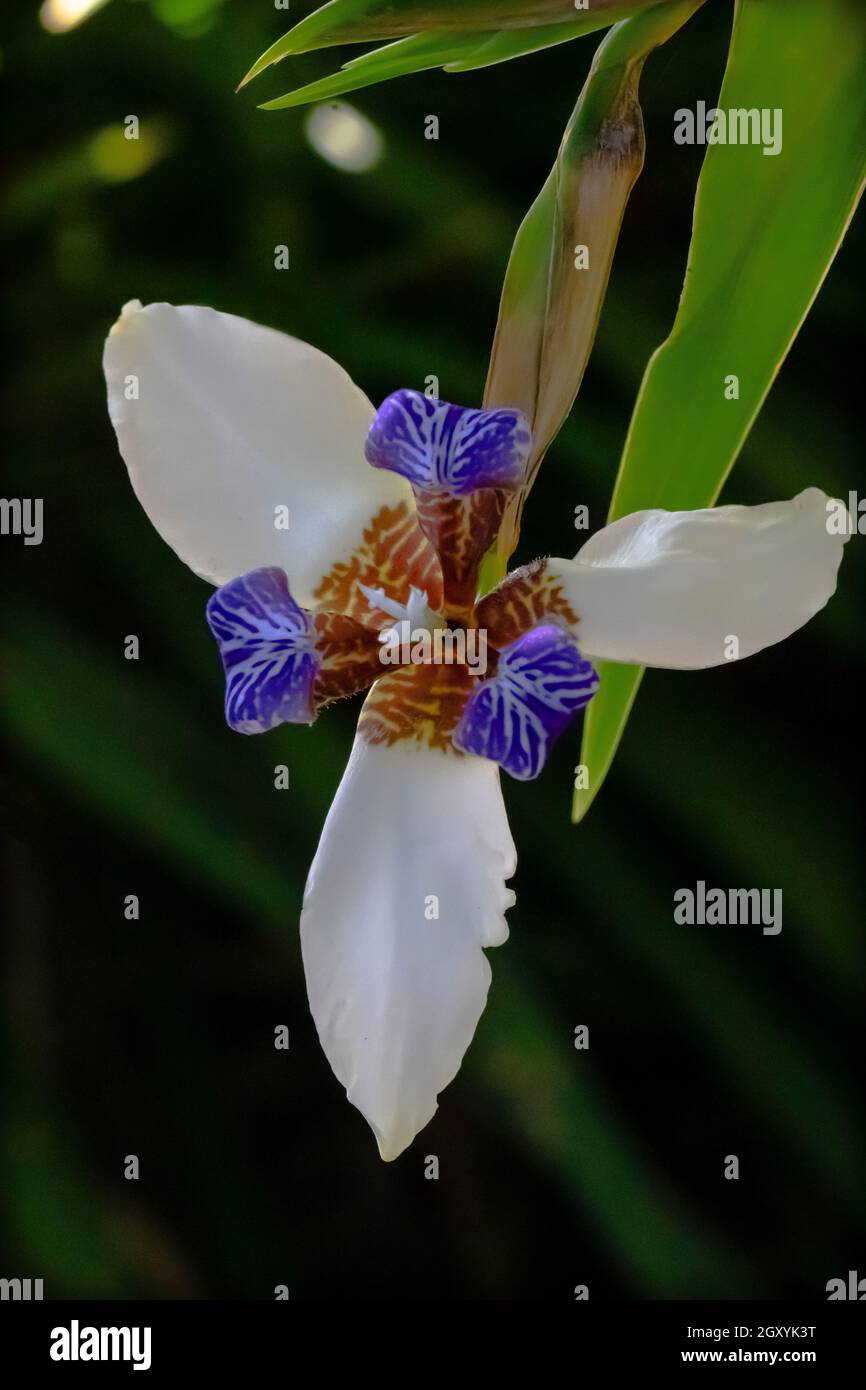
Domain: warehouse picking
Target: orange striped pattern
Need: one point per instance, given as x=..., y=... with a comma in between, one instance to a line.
x=393, y=555
x=350, y=658
x=422, y=703
x=527, y=596
x=461, y=530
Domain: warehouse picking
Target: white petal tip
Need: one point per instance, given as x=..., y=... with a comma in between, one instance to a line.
x=697, y=589
x=391, y=1148
x=396, y=1136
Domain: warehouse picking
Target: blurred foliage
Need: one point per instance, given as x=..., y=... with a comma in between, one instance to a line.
x=155, y=1037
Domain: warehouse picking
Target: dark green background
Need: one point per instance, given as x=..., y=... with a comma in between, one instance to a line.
x=155, y=1038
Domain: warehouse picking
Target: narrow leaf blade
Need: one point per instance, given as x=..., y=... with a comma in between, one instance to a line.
x=369, y=21
x=400, y=59
x=505, y=44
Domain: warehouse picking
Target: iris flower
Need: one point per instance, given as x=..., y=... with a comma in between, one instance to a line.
x=223, y=425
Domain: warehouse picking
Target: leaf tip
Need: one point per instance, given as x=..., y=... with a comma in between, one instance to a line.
x=580, y=805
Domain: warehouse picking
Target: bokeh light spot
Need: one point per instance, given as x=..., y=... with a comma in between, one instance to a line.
x=115, y=159
x=343, y=137
x=59, y=16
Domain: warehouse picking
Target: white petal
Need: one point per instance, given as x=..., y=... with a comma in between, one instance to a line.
x=231, y=421
x=396, y=994
x=671, y=588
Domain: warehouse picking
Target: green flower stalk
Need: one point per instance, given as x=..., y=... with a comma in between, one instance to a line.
x=561, y=259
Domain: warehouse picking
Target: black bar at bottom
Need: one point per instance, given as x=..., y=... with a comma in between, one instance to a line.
x=170, y=1338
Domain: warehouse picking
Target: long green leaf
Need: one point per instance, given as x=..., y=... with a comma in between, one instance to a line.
x=453, y=50
x=367, y=21
x=766, y=229
x=418, y=53
x=505, y=44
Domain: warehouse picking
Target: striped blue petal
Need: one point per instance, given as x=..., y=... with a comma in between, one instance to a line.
x=541, y=683
x=446, y=448
x=267, y=645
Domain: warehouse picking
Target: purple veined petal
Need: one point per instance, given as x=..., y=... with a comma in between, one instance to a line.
x=448, y=448
x=267, y=645
x=541, y=683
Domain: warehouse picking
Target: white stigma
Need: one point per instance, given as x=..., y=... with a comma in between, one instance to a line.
x=417, y=612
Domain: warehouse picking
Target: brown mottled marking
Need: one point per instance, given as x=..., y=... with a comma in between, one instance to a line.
x=527, y=596
x=349, y=655
x=461, y=531
x=393, y=556
x=422, y=703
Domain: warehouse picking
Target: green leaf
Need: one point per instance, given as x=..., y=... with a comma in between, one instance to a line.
x=471, y=35
x=505, y=44
x=550, y=307
x=400, y=59
x=766, y=229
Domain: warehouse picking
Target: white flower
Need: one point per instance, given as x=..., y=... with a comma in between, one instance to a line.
x=223, y=425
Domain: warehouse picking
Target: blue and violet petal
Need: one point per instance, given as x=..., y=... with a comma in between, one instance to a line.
x=439, y=447
x=541, y=683
x=267, y=645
